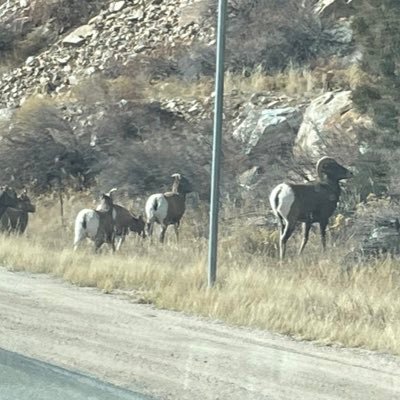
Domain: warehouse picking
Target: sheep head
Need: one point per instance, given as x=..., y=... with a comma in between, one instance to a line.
x=181, y=184
x=329, y=167
x=106, y=202
x=25, y=202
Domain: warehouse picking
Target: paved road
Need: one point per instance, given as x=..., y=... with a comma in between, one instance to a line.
x=172, y=356
x=23, y=378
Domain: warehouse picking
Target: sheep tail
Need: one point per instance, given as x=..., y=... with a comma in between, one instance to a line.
x=276, y=199
x=155, y=204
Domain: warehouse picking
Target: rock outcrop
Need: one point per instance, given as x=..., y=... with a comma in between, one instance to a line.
x=329, y=122
x=116, y=35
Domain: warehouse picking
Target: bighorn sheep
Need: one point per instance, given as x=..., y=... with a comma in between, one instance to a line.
x=16, y=220
x=168, y=208
x=9, y=198
x=125, y=221
x=309, y=202
x=97, y=225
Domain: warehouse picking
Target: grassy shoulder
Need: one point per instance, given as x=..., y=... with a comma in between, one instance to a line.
x=308, y=298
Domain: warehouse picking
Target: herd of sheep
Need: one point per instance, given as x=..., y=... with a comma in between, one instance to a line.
x=311, y=202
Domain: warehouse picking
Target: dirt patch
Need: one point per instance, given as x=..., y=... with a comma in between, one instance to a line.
x=173, y=356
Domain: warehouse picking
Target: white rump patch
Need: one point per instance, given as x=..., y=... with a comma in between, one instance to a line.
x=156, y=208
x=281, y=200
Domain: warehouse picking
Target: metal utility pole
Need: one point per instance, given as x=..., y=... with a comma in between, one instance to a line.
x=216, y=154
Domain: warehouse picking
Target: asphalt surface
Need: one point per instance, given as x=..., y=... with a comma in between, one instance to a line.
x=23, y=378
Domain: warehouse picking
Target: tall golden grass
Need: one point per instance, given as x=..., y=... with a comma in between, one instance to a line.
x=309, y=298
x=293, y=81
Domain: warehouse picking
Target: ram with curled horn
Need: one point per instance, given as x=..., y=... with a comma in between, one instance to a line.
x=312, y=202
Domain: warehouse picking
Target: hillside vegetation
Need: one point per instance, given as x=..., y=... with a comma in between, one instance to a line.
x=101, y=94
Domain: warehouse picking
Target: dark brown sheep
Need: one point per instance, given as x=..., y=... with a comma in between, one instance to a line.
x=308, y=202
x=14, y=220
x=125, y=222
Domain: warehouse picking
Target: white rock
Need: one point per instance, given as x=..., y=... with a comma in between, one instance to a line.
x=259, y=124
x=116, y=6
x=79, y=35
x=329, y=112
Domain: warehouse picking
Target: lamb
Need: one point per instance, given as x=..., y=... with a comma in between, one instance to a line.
x=168, y=208
x=16, y=220
x=97, y=225
x=309, y=202
x=124, y=222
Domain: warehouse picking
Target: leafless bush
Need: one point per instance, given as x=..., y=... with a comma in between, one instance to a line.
x=64, y=13
x=39, y=147
x=139, y=146
x=33, y=43
x=271, y=33
x=157, y=66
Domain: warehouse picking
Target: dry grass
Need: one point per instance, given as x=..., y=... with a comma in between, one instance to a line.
x=179, y=88
x=309, y=298
x=293, y=81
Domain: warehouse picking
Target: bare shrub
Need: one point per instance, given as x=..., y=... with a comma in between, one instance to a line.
x=7, y=39
x=33, y=42
x=157, y=66
x=39, y=147
x=91, y=90
x=271, y=33
x=145, y=144
x=64, y=13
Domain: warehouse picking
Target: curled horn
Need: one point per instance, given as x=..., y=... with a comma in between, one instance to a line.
x=322, y=162
x=179, y=176
x=111, y=191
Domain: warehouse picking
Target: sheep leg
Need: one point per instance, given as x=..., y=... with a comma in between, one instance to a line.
x=76, y=245
x=150, y=229
x=322, y=229
x=97, y=244
x=289, y=228
x=176, y=228
x=281, y=225
x=111, y=241
x=119, y=239
x=77, y=241
x=307, y=227
x=163, y=230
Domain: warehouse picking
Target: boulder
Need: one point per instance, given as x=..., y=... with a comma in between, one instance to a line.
x=260, y=125
x=116, y=6
x=334, y=8
x=248, y=178
x=340, y=34
x=329, y=121
x=79, y=35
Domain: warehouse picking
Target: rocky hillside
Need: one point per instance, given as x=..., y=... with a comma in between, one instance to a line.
x=120, y=92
